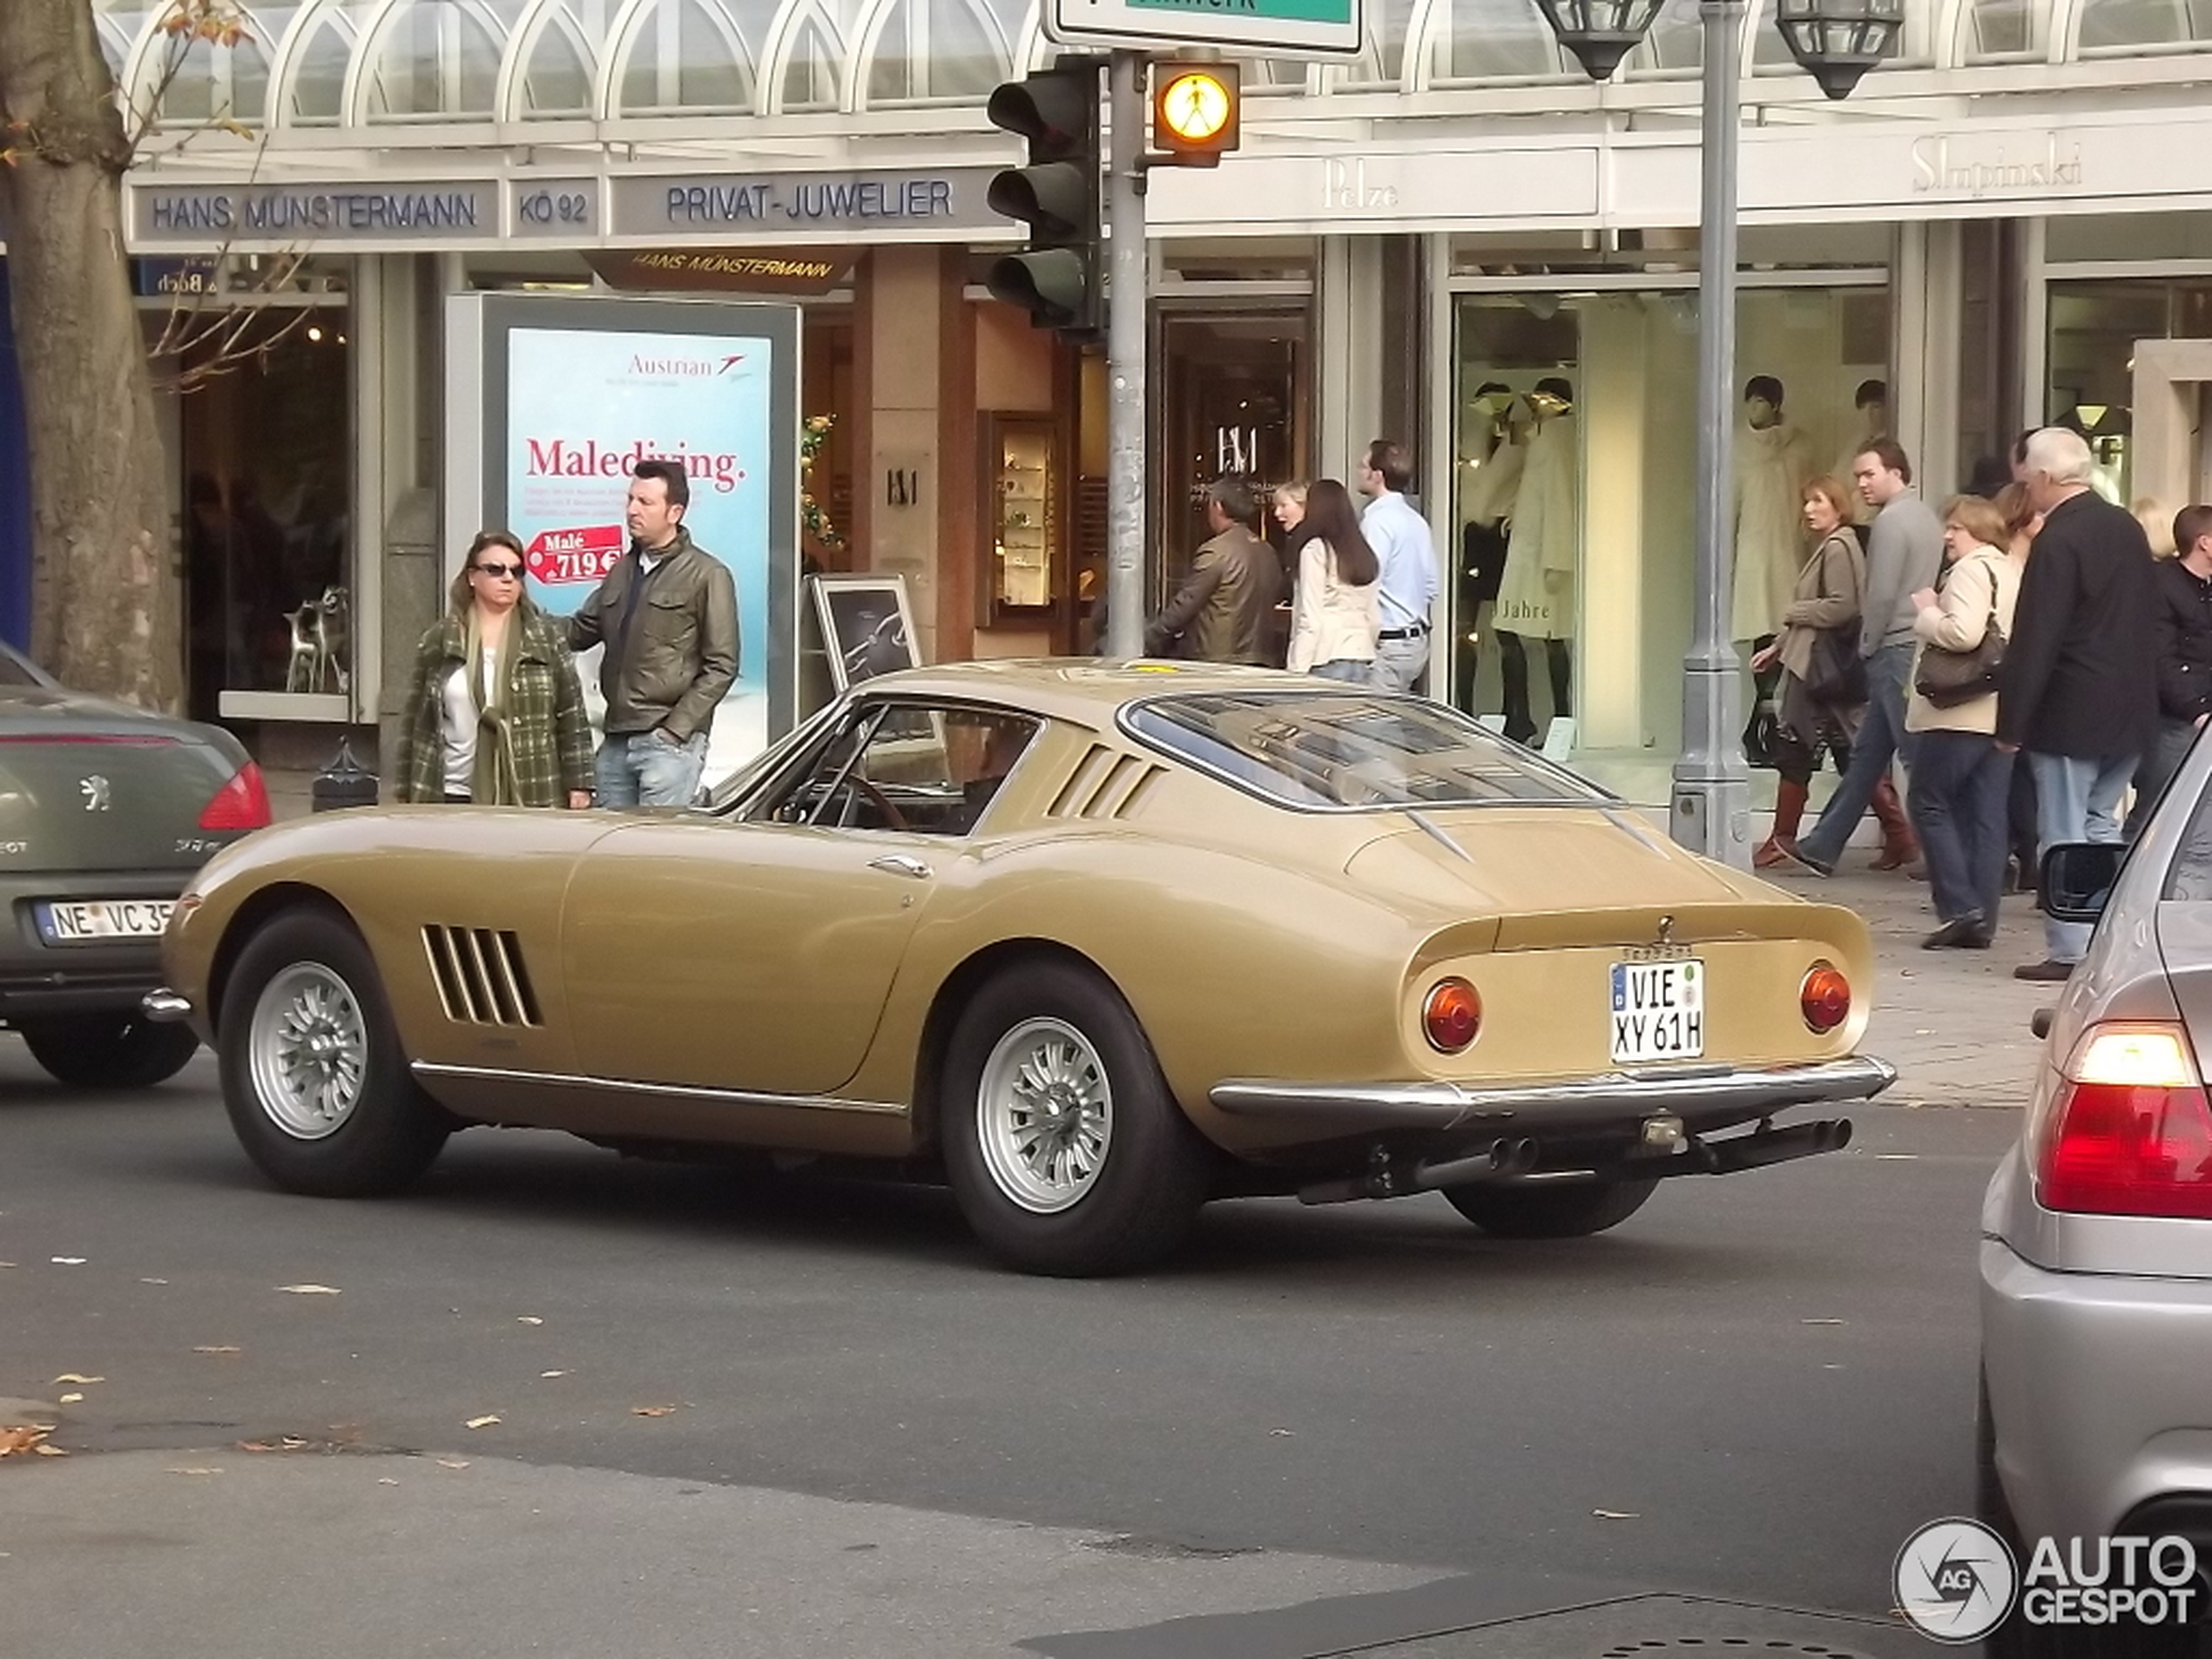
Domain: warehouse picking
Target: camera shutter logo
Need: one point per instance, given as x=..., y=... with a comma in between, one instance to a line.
x=1954, y=1581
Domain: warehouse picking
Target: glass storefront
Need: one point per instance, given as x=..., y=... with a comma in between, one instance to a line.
x=1575, y=453
x=2090, y=358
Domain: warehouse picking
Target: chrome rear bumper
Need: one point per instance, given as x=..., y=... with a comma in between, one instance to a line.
x=1703, y=1097
x=165, y=1007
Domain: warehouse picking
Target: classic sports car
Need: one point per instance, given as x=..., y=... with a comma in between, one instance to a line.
x=105, y=810
x=1099, y=941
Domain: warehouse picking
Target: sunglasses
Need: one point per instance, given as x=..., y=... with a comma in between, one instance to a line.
x=515, y=570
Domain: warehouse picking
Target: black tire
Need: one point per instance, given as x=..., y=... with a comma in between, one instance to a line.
x=1139, y=1201
x=118, y=1050
x=1546, y=1211
x=391, y=1131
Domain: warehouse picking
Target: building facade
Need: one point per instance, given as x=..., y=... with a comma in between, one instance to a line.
x=1454, y=240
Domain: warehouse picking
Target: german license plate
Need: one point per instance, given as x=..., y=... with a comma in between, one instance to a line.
x=88, y=920
x=1658, y=1011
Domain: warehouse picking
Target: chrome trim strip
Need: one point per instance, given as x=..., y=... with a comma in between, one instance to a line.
x=1442, y=1105
x=165, y=1007
x=664, y=1091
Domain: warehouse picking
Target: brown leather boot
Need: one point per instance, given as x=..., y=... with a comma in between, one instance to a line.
x=1899, y=845
x=1789, y=810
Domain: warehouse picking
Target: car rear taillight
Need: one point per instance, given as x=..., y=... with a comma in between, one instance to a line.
x=1824, y=997
x=241, y=803
x=2131, y=1130
x=1451, y=1015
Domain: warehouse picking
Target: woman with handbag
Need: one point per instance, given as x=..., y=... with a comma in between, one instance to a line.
x=1960, y=777
x=1823, y=677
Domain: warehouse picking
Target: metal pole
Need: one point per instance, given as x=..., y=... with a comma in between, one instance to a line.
x=1712, y=807
x=1125, y=358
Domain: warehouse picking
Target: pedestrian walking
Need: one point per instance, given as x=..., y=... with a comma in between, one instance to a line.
x=2184, y=649
x=1822, y=695
x=667, y=614
x=1904, y=552
x=1960, y=777
x=1221, y=612
x=2079, y=692
x=1336, y=615
x=493, y=714
x=1405, y=549
x=2021, y=523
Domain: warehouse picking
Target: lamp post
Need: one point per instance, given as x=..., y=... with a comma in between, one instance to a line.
x=1837, y=41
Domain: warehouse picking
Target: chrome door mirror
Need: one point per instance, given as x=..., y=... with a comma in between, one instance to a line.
x=2078, y=878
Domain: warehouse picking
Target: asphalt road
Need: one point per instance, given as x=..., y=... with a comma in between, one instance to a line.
x=1343, y=1426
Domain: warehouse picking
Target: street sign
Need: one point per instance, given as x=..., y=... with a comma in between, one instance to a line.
x=1276, y=28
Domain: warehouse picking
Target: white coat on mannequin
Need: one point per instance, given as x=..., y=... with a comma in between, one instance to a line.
x=1536, y=593
x=1772, y=465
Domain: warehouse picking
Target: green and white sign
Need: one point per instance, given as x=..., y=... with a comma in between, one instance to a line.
x=1282, y=27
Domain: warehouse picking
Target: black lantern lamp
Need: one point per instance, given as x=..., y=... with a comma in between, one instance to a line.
x=1837, y=41
x=1600, y=32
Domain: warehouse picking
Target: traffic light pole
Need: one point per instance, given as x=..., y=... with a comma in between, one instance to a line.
x=1125, y=473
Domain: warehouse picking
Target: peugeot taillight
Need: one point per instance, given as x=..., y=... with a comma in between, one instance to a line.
x=241, y=803
x=1451, y=1015
x=2131, y=1130
x=1824, y=997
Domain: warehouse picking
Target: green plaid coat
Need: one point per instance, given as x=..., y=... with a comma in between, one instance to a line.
x=550, y=734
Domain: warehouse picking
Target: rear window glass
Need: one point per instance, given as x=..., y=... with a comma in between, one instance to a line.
x=1329, y=750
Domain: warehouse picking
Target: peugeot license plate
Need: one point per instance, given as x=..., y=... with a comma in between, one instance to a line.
x=1658, y=1011
x=89, y=921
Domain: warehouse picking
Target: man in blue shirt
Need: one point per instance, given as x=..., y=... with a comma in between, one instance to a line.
x=1405, y=550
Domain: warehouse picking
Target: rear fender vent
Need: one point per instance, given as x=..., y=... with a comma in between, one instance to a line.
x=481, y=977
x=1104, y=784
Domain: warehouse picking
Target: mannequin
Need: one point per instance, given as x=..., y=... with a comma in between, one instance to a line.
x=1773, y=462
x=1492, y=449
x=1536, y=592
x=1872, y=402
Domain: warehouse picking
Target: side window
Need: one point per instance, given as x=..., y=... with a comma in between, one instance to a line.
x=2190, y=877
x=911, y=767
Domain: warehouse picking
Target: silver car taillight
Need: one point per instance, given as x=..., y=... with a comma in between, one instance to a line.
x=2131, y=1130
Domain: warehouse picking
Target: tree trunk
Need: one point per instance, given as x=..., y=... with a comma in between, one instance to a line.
x=104, y=591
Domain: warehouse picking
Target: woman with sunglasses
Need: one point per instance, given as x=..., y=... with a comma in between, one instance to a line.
x=494, y=715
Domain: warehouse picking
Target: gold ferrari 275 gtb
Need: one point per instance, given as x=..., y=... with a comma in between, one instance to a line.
x=1097, y=942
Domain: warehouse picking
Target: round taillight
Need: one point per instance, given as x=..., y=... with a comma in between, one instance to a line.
x=1451, y=1015
x=1825, y=996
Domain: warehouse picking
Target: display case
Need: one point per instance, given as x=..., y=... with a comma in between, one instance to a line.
x=1024, y=517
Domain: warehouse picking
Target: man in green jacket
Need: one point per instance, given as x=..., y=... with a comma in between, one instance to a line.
x=667, y=614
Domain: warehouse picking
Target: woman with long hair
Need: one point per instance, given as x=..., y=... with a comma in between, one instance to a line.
x=1959, y=775
x=1337, y=611
x=2023, y=522
x=1819, y=628
x=495, y=714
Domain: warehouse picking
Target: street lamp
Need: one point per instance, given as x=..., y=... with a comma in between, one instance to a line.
x=1837, y=41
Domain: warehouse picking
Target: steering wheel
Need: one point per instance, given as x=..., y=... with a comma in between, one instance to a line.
x=893, y=816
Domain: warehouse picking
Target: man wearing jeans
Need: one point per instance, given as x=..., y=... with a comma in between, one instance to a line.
x=1904, y=552
x=667, y=614
x=1406, y=553
x=2079, y=688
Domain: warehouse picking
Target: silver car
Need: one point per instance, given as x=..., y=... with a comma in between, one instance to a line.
x=2096, y=1252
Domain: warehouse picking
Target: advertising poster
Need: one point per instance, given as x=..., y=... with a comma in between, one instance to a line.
x=576, y=392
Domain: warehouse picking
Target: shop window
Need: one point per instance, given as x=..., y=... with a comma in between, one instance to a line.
x=1500, y=40
x=691, y=54
x=943, y=49
x=2117, y=26
x=2001, y=29
x=2090, y=353
x=266, y=450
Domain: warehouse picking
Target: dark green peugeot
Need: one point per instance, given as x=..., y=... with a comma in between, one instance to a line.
x=105, y=810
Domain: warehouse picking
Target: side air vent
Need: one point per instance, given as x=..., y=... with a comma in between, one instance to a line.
x=1104, y=784
x=481, y=977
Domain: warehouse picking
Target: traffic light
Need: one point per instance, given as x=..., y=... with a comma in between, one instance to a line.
x=1196, y=110
x=1059, y=278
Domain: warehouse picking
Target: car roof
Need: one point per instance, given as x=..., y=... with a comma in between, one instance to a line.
x=1090, y=690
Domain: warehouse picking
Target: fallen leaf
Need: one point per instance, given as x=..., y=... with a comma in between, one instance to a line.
x=528, y=1318
x=18, y=1437
x=69, y=1261
x=78, y=1377
x=453, y=1462
x=387, y=1480
x=1898, y=1157
x=216, y=1348
x=71, y=1399
x=552, y=1373
x=652, y=1411
x=153, y=1281
x=1820, y=1322
x=1616, y=1514
x=44, y=1450
x=7, y=1263
x=309, y=1290
x=195, y=1471
x=481, y=1422
x=1285, y=1432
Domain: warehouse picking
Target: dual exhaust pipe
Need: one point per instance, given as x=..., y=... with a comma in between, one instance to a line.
x=1502, y=1159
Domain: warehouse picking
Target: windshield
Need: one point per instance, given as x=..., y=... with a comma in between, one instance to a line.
x=1328, y=750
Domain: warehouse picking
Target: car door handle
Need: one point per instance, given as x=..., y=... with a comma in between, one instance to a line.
x=900, y=864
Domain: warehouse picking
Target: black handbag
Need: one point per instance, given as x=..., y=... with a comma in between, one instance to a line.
x=1947, y=677
x=1837, y=673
